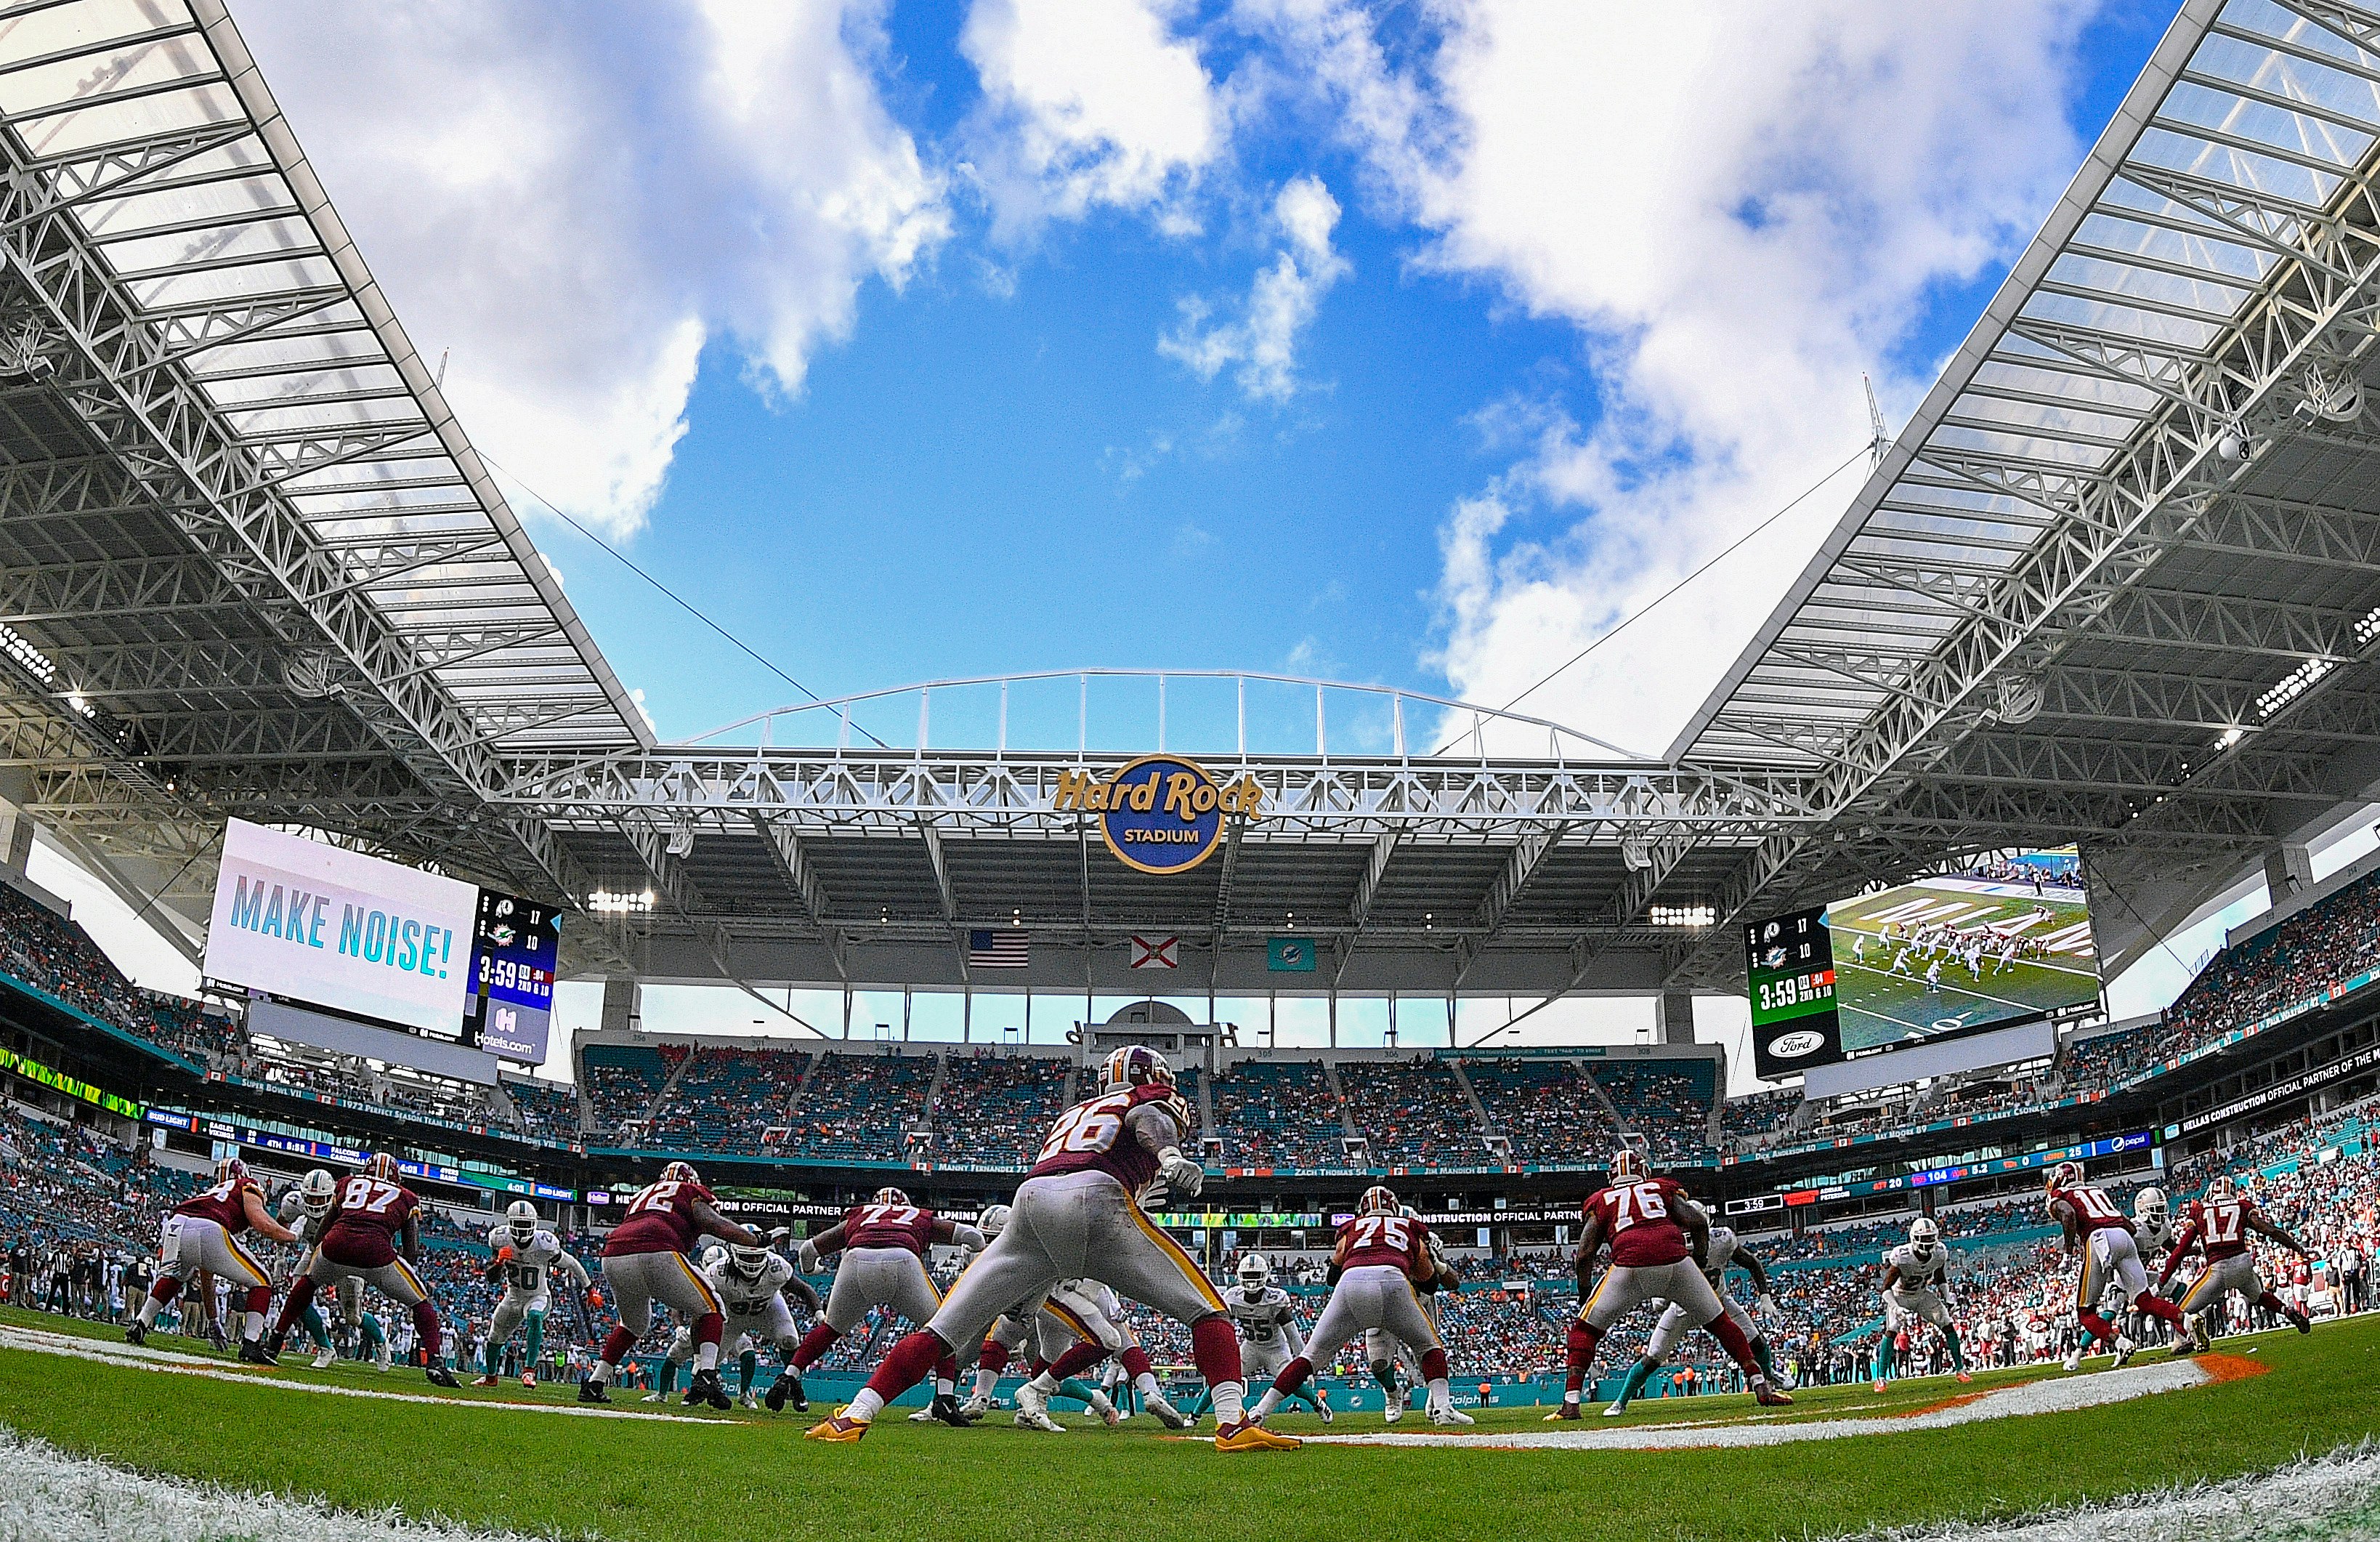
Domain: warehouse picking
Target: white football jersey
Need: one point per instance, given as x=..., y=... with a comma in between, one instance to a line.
x=525, y=1270
x=1915, y=1273
x=291, y=1210
x=1723, y=1244
x=1259, y=1320
x=2156, y=1237
x=748, y=1298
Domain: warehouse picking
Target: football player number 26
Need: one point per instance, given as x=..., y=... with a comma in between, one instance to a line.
x=1091, y=1126
x=1637, y=1202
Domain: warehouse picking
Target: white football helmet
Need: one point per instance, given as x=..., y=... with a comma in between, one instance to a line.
x=521, y=1216
x=2150, y=1206
x=1255, y=1272
x=1924, y=1236
x=1377, y=1200
x=316, y=1189
x=748, y=1261
x=991, y=1221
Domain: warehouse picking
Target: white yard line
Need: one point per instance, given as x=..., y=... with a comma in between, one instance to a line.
x=150, y=1358
x=2054, y=1395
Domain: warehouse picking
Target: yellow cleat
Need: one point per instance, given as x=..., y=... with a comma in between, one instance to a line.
x=838, y=1428
x=1246, y=1436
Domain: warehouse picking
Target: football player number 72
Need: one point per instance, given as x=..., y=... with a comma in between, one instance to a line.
x=1091, y=1126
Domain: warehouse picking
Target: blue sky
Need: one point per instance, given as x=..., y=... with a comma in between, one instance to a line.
x=1414, y=345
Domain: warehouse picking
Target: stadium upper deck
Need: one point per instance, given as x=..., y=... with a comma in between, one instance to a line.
x=2115, y=584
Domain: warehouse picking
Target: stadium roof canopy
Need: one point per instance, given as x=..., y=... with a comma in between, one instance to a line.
x=2115, y=583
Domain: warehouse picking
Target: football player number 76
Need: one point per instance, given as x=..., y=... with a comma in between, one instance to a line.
x=1646, y=1199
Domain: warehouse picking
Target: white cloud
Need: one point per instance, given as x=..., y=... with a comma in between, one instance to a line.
x=1261, y=345
x=1740, y=210
x=1087, y=103
x=578, y=203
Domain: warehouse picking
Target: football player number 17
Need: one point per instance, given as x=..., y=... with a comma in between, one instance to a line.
x=1646, y=1201
x=1091, y=1126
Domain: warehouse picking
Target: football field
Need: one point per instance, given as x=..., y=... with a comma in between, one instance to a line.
x=1877, y=1006
x=342, y=1459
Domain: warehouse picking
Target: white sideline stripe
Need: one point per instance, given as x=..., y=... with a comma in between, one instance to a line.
x=2051, y=1395
x=139, y=1357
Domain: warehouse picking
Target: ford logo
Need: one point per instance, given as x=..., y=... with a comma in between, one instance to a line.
x=1794, y=1045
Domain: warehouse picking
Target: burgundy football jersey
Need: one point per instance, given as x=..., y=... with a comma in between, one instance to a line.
x=2090, y=1208
x=1089, y=1137
x=2220, y=1226
x=902, y=1226
x=1639, y=1219
x=367, y=1216
x=660, y=1220
x=1386, y=1239
x=226, y=1203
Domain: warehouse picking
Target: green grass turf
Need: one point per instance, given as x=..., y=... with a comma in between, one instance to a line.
x=675, y=1483
x=1876, y=1006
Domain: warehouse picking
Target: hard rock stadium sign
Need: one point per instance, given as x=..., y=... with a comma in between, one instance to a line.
x=1160, y=814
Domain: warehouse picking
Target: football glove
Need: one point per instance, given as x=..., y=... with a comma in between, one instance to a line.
x=806, y=1260
x=1182, y=1175
x=1768, y=1303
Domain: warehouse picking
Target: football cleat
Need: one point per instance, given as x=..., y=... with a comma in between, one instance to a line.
x=1106, y=1410
x=1167, y=1415
x=705, y=1387
x=1392, y=1409
x=974, y=1408
x=922, y=1416
x=254, y=1354
x=2074, y=1361
x=529, y=1381
x=1248, y=1435
x=2299, y=1320
x=657, y=1395
x=1613, y=1410
x=1965, y=1377
x=591, y=1391
x=1033, y=1411
x=1769, y=1397
x=1568, y=1410
x=786, y=1389
x=135, y=1334
x=837, y=1428
x=1324, y=1404
x=946, y=1408
x=324, y=1356
x=439, y=1376
x=2125, y=1350
x=1450, y=1414
x=1878, y=1384
x=750, y=1400
x=490, y=1379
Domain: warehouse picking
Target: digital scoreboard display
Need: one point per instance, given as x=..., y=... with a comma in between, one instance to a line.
x=1789, y=970
x=516, y=944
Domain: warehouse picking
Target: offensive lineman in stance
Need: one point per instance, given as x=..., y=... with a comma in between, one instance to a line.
x=883, y=1245
x=373, y=1232
x=1658, y=1237
x=645, y=1260
x=201, y=1235
x=1078, y=1215
x=2220, y=1225
x=1380, y=1259
x=524, y=1251
x=1725, y=1251
x=1914, y=1274
x=2098, y=1227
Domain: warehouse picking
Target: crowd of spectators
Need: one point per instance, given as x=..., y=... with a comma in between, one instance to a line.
x=622, y=1081
x=1279, y=1115
x=544, y=1111
x=996, y=1108
x=1413, y=1113
x=729, y=1100
x=1547, y=1108
x=1666, y=1106
x=2325, y=942
x=49, y=952
x=858, y=1106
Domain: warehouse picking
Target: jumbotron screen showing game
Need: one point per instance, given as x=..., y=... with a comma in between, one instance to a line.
x=2005, y=941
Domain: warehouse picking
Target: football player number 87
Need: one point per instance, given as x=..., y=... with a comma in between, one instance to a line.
x=1091, y=1126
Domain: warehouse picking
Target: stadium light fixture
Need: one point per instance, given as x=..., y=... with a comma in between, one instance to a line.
x=620, y=903
x=1693, y=917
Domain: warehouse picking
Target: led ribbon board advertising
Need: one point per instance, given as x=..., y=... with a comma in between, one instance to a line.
x=1160, y=814
x=342, y=930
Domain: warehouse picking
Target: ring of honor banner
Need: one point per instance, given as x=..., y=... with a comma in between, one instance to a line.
x=1789, y=967
x=516, y=944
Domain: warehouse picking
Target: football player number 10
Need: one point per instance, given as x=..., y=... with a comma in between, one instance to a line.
x=1091, y=1126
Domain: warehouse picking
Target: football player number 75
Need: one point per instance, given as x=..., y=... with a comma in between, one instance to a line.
x=1091, y=1126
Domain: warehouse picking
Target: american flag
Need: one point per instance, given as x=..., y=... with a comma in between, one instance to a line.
x=999, y=949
